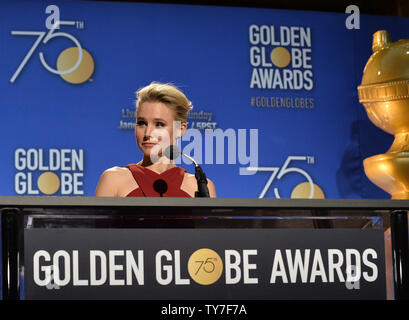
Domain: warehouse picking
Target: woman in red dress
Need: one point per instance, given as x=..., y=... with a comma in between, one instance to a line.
x=159, y=108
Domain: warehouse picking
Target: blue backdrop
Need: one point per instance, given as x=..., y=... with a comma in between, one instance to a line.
x=74, y=131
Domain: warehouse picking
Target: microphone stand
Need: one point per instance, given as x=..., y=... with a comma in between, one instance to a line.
x=172, y=152
x=202, y=189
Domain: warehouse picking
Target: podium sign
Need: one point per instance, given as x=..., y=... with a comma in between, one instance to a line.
x=111, y=263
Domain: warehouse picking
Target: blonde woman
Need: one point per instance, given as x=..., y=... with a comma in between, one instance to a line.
x=159, y=108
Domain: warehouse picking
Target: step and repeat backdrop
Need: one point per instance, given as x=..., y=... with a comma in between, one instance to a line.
x=276, y=111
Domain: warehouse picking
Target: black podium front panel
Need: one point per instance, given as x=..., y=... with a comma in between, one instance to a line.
x=201, y=263
x=191, y=249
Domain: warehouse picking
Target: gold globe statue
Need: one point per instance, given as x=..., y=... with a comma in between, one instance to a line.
x=384, y=92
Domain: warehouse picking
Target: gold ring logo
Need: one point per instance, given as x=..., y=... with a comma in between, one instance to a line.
x=280, y=57
x=48, y=183
x=67, y=59
x=205, y=266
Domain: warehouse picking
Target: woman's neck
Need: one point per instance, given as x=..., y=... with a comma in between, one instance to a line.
x=158, y=167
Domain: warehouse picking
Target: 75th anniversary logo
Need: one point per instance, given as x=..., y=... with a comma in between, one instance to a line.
x=74, y=64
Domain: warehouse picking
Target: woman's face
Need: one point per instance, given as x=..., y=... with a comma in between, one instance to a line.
x=155, y=127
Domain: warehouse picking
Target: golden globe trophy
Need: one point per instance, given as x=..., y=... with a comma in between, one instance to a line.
x=384, y=92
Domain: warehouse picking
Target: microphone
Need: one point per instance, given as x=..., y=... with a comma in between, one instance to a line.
x=160, y=186
x=172, y=152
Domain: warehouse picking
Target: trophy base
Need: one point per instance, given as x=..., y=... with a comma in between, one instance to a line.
x=390, y=172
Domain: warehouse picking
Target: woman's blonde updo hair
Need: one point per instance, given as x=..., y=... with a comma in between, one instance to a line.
x=168, y=94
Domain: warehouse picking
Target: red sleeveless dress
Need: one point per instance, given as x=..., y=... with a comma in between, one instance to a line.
x=145, y=178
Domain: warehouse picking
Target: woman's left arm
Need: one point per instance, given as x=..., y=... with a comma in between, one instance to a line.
x=212, y=188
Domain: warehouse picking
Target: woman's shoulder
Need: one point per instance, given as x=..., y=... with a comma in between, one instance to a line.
x=116, y=172
x=114, y=181
x=192, y=179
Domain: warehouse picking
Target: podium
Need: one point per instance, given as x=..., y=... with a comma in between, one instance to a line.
x=193, y=249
